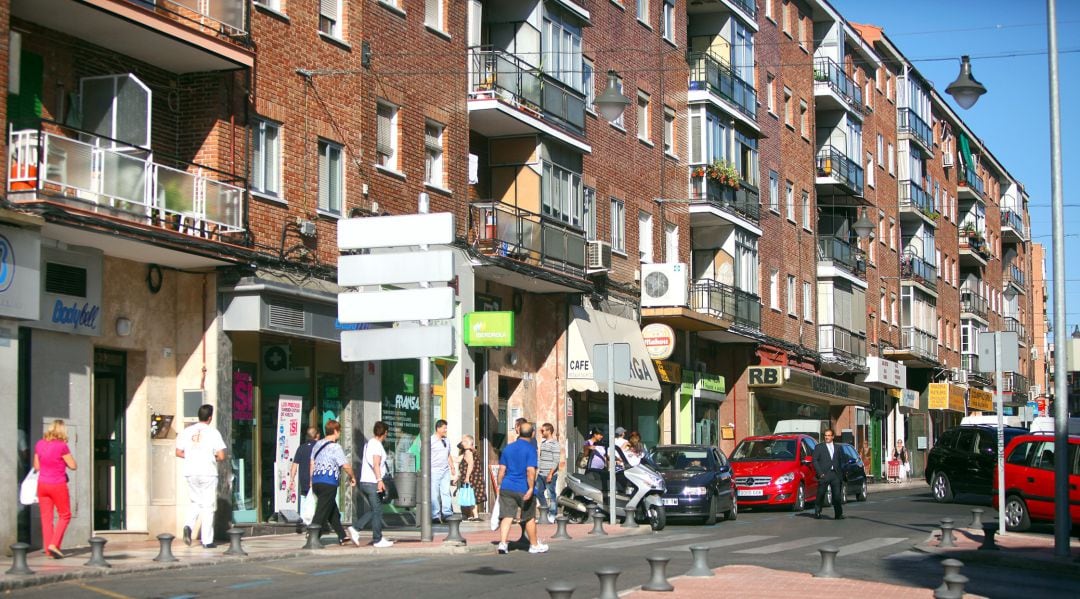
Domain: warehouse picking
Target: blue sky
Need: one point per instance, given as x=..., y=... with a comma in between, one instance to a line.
x=1013, y=118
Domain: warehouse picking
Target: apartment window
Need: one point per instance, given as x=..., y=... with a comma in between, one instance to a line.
x=869, y=169
x=669, y=20
x=271, y=4
x=792, y=308
x=789, y=117
x=330, y=17
x=785, y=16
x=671, y=243
x=645, y=237
x=870, y=245
x=881, y=227
x=643, y=116
x=892, y=160
x=878, y=76
x=746, y=262
x=892, y=233
x=892, y=309
x=881, y=309
x=560, y=189
x=588, y=76
x=868, y=96
x=801, y=29
x=807, y=302
x=643, y=11
x=433, y=14
x=769, y=10
x=880, y=151
x=806, y=210
x=588, y=218
x=774, y=289
x=266, y=170
x=562, y=49
x=433, y=154
x=940, y=336
x=330, y=177
x=804, y=119
x=774, y=192
x=386, y=138
x=618, y=225
x=889, y=86
x=669, y=130
x=789, y=201
x=770, y=92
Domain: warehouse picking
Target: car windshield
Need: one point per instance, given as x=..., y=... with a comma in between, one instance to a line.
x=676, y=458
x=764, y=449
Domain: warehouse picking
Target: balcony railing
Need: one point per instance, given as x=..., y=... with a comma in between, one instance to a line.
x=1014, y=275
x=970, y=363
x=831, y=162
x=1013, y=325
x=1015, y=383
x=507, y=77
x=747, y=6
x=826, y=71
x=974, y=241
x=914, y=268
x=743, y=202
x=1015, y=221
x=848, y=345
x=502, y=230
x=843, y=254
x=909, y=122
x=973, y=303
x=107, y=176
x=972, y=181
x=724, y=301
x=913, y=197
x=706, y=72
x=918, y=342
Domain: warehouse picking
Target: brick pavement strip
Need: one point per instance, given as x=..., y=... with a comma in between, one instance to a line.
x=1029, y=551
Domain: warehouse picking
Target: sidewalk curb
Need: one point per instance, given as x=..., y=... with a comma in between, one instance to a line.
x=1005, y=556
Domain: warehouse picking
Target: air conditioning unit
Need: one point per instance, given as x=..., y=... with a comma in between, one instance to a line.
x=947, y=159
x=597, y=257
x=663, y=285
x=959, y=377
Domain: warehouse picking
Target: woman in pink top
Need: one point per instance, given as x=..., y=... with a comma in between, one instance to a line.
x=52, y=457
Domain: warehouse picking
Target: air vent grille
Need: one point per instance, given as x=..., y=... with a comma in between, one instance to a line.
x=282, y=314
x=62, y=279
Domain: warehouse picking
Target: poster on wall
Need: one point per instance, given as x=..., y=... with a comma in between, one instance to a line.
x=290, y=408
x=401, y=412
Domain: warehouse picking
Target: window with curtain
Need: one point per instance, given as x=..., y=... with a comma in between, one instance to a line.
x=669, y=130
x=746, y=262
x=433, y=153
x=807, y=302
x=386, y=135
x=671, y=243
x=266, y=158
x=792, y=308
x=774, y=289
x=643, y=11
x=668, y=26
x=330, y=17
x=774, y=191
x=588, y=207
x=618, y=225
x=643, y=116
x=645, y=237
x=330, y=177
x=588, y=81
x=433, y=14
x=561, y=192
x=562, y=49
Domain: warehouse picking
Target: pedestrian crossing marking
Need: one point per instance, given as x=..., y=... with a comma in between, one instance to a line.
x=867, y=545
x=726, y=542
x=787, y=545
x=907, y=556
x=634, y=541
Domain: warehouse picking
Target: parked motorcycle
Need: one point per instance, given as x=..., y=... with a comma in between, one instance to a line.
x=639, y=497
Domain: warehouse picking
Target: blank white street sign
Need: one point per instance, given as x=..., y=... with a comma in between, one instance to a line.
x=397, y=344
x=396, y=268
x=431, y=303
x=395, y=231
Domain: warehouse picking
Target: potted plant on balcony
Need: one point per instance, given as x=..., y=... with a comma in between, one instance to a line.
x=722, y=172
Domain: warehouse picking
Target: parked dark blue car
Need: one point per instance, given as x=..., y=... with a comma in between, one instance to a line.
x=699, y=482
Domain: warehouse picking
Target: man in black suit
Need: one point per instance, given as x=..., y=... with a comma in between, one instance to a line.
x=827, y=465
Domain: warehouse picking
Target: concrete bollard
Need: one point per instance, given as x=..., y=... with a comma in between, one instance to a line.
x=658, y=575
x=314, y=532
x=630, y=521
x=236, y=546
x=165, y=552
x=955, y=584
x=560, y=528
x=18, y=559
x=828, y=562
x=989, y=530
x=608, y=575
x=952, y=566
x=976, y=518
x=946, y=533
x=97, y=553
x=701, y=567
x=560, y=590
x=454, y=536
x=946, y=594
x=598, y=525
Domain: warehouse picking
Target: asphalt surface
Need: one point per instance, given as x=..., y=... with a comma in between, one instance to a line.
x=877, y=542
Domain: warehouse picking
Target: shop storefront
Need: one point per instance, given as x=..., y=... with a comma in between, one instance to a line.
x=791, y=400
x=883, y=377
x=700, y=397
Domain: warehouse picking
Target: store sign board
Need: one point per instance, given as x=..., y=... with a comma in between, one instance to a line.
x=396, y=268
x=909, y=398
x=659, y=340
x=765, y=376
x=431, y=303
x=20, y=279
x=395, y=231
x=885, y=372
x=943, y=396
x=668, y=371
x=397, y=343
x=290, y=408
x=489, y=329
x=979, y=400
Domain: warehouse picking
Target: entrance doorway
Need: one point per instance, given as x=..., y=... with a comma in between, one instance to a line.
x=110, y=405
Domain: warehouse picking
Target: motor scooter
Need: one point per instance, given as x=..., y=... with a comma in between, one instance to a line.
x=638, y=497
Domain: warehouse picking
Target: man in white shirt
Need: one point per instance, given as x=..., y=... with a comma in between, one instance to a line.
x=201, y=447
x=442, y=471
x=373, y=488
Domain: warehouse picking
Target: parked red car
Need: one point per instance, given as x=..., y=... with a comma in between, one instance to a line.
x=1029, y=481
x=775, y=470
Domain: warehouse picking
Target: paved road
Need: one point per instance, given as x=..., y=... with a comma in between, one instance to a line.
x=875, y=543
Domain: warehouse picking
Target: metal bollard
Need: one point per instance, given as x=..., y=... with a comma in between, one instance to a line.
x=946, y=594
x=314, y=532
x=165, y=553
x=989, y=530
x=598, y=525
x=18, y=559
x=828, y=562
x=946, y=533
x=236, y=546
x=976, y=517
x=658, y=575
x=97, y=553
x=701, y=562
x=630, y=521
x=608, y=575
x=454, y=523
x=952, y=566
x=560, y=590
x=560, y=528
x=955, y=583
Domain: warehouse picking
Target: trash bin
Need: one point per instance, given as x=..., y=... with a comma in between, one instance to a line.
x=406, y=488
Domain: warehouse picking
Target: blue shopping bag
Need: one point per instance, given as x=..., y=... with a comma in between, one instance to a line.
x=466, y=496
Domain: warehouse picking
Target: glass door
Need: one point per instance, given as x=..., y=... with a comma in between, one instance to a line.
x=110, y=403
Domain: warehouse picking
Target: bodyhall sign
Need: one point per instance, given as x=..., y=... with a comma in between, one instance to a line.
x=799, y=385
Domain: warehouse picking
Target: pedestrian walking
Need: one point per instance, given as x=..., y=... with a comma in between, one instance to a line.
x=471, y=473
x=517, y=475
x=442, y=472
x=52, y=460
x=327, y=462
x=827, y=462
x=302, y=465
x=372, y=470
x=547, y=479
x=201, y=447
x=900, y=454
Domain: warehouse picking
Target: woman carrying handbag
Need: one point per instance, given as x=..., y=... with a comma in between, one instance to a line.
x=471, y=484
x=52, y=459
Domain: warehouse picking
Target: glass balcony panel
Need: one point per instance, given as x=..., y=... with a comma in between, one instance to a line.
x=504, y=230
x=909, y=122
x=68, y=164
x=833, y=339
x=970, y=363
x=175, y=190
x=972, y=181
x=224, y=204
x=919, y=342
x=1015, y=221
x=724, y=301
x=841, y=253
x=831, y=162
x=527, y=87
x=913, y=197
x=743, y=201
x=973, y=303
x=706, y=72
x=827, y=71
x=123, y=177
x=227, y=12
x=914, y=268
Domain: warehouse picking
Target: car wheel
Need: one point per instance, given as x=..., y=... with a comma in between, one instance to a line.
x=800, y=500
x=657, y=517
x=714, y=507
x=843, y=492
x=1016, y=514
x=861, y=495
x=941, y=488
x=733, y=513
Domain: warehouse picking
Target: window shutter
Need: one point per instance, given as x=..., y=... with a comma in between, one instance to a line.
x=431, y=138
x=431, y=12
x=328, y=9
x=382, y=142
x=324, y=175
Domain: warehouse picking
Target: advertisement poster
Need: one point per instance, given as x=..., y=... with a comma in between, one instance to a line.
x=290, y=409
x=401, y=412
x=243, y=396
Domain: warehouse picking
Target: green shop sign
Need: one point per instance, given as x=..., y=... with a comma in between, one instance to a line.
x=489, y=329
x=694, y=383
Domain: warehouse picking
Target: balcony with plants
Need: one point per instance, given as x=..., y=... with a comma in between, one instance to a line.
x=837, y=344
x=708, y=73
x=1013, y=228
x=720, y=186
x=910, y=124
x=915, y=201
x=970, y=184
x=973, y=245
x=836, y=168
x=913, y=268
x=971, y=303
x=718, y=300
x=835, y=251
x=503, y=231
x=834, y=89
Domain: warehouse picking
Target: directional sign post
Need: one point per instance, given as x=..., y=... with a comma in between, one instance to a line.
x=998, y=352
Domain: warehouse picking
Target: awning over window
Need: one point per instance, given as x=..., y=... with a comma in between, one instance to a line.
x=589, y=327
x=965, y=152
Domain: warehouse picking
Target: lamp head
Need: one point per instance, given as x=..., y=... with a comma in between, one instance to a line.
x=612, y=102
x=965, y=89
x=863, y=227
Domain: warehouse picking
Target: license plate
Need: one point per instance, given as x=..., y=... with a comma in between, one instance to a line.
x=751, y=492
x=671, y=501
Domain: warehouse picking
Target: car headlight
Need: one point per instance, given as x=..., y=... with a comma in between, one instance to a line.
x=785, y=479
x=695, y=491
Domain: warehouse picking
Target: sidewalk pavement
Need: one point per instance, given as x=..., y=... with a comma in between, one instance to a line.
x=1017, y=550
x=126, y=558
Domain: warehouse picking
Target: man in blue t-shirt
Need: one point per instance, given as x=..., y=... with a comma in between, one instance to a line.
x=517, y=473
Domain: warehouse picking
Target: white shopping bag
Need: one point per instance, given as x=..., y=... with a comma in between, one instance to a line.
x=307, y=507
x=28, y=489
x=495, y=515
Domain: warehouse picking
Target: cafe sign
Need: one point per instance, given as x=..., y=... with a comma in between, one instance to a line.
x=943, y=396
x=980, y=401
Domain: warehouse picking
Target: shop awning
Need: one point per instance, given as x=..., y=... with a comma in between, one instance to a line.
x=589, y=327
x=793, y=384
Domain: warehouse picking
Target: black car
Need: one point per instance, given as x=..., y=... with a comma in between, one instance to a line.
x=964, y=460
x=852, y=475
x=699, y=481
